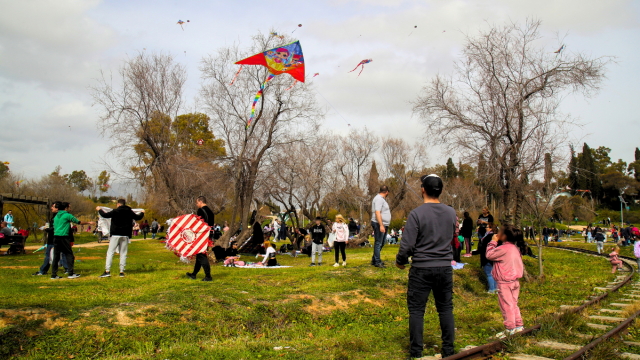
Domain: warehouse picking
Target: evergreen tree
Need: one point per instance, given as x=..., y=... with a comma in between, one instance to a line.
x=373, y=183
x=573, y=170
x=634, y=167
x=451, y=172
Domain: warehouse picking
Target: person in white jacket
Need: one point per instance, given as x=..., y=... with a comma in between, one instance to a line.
x=341, y=231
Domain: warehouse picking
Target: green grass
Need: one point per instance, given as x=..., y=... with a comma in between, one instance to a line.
x=357, y=312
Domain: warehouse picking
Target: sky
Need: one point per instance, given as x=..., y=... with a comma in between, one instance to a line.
x=51, y=52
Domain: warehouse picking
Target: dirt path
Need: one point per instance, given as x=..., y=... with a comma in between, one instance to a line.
x=87, y=245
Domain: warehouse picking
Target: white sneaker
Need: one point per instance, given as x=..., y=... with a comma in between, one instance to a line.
x=504, y=334
x=336, y=265
x=344, y=263
x=518, y=329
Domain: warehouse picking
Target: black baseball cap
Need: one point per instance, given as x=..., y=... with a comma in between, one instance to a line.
x=431, y=183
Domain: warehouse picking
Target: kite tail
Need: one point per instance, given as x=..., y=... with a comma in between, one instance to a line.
x=289, y=88
x=234, y=78
x=356, y=68
x=258, y=95
x=361, y=71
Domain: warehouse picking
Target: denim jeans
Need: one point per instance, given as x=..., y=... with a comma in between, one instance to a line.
x=379, y=242
x=421, y=282
x=153, y=235
x=47, y=260
x=546, y=240
x=487, y=271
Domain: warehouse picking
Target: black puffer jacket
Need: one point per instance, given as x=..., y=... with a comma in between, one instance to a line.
x=122, y=219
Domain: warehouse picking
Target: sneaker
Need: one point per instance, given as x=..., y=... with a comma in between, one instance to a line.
x=344, y=263
x=312, y=264
x=208, y=278
x=73, y=276
x=504, y=334
x=66, y=272
x=381, y=266
x=319, y=264
x=38, y=274
x=518, y=329
x=336, y=265
x=121, y=274
x=191, y=276
x=105, y=275
x=56, y=277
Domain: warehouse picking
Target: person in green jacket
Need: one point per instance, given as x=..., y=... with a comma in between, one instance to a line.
x=62, y=240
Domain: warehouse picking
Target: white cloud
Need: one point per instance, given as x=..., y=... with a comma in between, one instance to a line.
x=54, y=43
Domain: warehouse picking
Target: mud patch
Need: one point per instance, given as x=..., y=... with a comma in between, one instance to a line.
x=51, y=320
x=339, y=301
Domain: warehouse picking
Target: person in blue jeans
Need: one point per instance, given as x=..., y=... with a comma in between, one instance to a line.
x=487, y=265
x=380, y=220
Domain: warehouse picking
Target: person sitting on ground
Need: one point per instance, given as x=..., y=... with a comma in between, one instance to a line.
x=270, y=255
x=507, y=269
x=232, y=250
x=616, y=263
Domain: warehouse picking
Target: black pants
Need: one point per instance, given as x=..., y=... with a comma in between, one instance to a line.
x=340, y=246
x=202, y=261
x=421, y=282
x=62, y=244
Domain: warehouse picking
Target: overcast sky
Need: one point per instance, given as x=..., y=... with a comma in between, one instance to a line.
x=52, y=51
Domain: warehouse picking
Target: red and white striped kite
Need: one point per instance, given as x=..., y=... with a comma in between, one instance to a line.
x=188, y=235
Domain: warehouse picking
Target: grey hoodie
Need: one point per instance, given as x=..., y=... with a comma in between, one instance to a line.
x=427, y=236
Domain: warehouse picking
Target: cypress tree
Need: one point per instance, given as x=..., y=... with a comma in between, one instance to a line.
x=573, y=170
x=452, y=172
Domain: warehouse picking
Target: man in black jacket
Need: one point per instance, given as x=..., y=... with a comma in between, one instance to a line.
x=121, y=229
x=202, y=261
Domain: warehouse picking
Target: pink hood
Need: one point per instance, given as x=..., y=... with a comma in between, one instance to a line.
x=507, y=261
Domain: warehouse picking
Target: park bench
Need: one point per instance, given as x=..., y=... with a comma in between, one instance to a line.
x=16, y=244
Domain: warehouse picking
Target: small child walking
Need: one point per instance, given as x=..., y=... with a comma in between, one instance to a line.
x=507, y=269
x=616, y=263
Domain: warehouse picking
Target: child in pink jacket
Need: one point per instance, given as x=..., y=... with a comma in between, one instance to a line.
x=507, y=269
x=616, y=263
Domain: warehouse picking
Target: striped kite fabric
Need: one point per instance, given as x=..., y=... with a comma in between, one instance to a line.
x=188, y=235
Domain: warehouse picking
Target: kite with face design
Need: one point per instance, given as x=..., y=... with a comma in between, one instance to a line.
x=283, y=59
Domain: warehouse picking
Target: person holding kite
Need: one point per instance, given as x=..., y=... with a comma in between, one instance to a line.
x=202, y=261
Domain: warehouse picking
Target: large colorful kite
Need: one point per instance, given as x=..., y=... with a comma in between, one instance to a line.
x=283, y=59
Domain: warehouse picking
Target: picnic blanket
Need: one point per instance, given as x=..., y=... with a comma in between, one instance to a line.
x=254, y=266
x=458, y=266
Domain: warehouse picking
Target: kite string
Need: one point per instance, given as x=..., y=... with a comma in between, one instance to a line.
x=258, y=95
x=234, y=78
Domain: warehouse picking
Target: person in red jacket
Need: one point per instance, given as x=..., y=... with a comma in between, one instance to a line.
x=507, y=269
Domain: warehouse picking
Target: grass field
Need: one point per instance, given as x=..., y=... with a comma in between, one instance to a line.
x=356, y=312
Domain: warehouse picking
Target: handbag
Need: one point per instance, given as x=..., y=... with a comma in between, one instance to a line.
x=331, y=239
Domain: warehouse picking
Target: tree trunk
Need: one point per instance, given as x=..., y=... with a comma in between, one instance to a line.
x=362, y=236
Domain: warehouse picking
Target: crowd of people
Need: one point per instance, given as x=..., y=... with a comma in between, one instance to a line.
x=433, y=237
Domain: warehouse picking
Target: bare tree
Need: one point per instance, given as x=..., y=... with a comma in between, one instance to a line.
x=140, y=116
x=283, y=116
x=503, y=101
